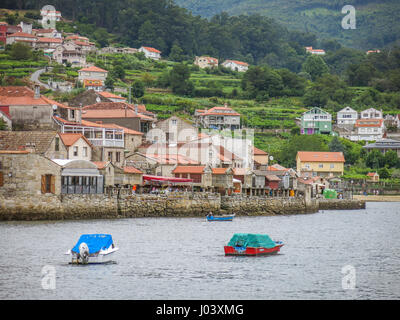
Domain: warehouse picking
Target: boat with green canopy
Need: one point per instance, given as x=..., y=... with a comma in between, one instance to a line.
x=248, y=244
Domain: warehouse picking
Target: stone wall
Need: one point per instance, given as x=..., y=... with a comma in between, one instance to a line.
x=341, y=204
x=267, y=206
x=99, y=206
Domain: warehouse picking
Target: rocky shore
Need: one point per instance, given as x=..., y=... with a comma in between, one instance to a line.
x=92, y=206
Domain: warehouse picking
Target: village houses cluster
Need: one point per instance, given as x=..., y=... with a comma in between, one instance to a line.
x=98, y=140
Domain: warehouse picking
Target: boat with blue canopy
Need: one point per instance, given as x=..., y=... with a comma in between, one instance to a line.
x=92, y=248
x=248, y=244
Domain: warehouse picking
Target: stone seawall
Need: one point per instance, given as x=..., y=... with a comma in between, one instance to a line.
x=52, y=207
x=341, y=204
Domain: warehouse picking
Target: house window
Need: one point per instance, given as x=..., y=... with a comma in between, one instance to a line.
x=48, y=183
x=57, y=144
x=118, y=156
x=85, y=153
x=110, y=156
x=1, y=179
x=332, y=166
x=321, y=165
x=72, y=114
x=75, y=151
x=174, y=122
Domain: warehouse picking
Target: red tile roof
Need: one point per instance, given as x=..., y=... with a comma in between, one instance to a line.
x=53, y=40
x=259, y=152
x=311, y=156
x=107, y=94
x=70, y=138
x=132, y=170
x=189, y=169
x=219, y=170
x=22, y=35
x=93, y=69
x=101, y=164
x=151, y=49
x=238, y=62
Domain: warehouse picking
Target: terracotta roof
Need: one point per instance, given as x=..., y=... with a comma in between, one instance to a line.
x=101, y=164
x=151, y=49
x=239, y=171
x=118, y=113
x=171, y=159
x=219, y=170
x=189, y=169
x=371, y=174
x=126, y=130
x=271, y=177
x=93, y=69
x=22, y=35
x=260, y=152
x=311, y=156
x=107, y=94
x=44, y=39
x=70, y=138
x=220, y=111
x=19, y=140
x=19, y=95
x=132, y=170
x=238, y=62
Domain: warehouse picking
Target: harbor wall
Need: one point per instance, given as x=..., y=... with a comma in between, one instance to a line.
x=95, y=206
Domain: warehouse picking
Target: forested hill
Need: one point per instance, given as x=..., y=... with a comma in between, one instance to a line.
x=377, y=20
x=174, y=30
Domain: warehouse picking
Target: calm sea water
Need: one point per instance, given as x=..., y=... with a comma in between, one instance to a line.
x=171, y=258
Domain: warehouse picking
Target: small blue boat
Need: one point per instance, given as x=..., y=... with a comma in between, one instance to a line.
x=211, y=217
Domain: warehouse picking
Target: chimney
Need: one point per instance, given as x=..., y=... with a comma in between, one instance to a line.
x=136, y=109
x=37, y=92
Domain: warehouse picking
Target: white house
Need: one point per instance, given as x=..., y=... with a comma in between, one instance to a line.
x=315, y=51
x=51, y=15
x=236, y=65
x=151, y=53
x=347, y=116
x=368, y=130
x=371, y=113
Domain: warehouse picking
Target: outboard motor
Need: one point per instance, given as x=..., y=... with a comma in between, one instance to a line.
x=84, y=253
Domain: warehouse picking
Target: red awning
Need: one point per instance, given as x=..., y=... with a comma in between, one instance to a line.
x=167, y=179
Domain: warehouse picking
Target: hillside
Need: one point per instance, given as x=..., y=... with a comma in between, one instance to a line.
x=377, y=20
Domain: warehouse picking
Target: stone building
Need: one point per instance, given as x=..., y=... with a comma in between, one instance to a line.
x=27, y=108
x=201, y=175
x=46, y=143
x=26, y=173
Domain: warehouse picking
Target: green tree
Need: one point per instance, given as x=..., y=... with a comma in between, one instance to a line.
x=335, y=145
x=384, y=173
x=176, y=53
x=287, y=155
x=315, y=66
x=391, y=159
x=179, y=80
x=137, y=89
x=375, y=159
x=109, y=83
x=20, y=51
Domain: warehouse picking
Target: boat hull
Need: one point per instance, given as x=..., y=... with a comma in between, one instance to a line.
x=220, y=218
x=251, y=251
x=93, y=259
